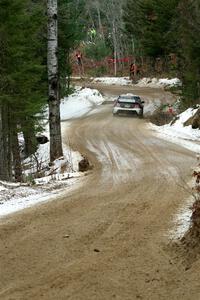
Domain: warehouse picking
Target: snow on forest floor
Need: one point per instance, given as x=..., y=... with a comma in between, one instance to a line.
x=64, y=173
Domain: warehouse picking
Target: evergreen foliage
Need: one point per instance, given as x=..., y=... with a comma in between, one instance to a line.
x=97, y=50
x=149, y=22
x=162, y=27
x=70, y=33
x=23, y=69
x=189, y=50
x=22, y=72
x=21, y=53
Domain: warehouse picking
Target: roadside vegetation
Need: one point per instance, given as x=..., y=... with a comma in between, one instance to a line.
x=23, y=76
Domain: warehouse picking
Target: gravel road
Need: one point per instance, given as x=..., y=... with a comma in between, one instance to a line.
x=107, y=239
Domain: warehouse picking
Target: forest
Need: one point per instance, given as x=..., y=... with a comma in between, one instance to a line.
x=162, y=37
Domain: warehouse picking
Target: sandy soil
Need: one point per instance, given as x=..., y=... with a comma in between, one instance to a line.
x=107, y=239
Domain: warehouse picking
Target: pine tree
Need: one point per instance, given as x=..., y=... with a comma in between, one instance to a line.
x=70, y=33
x=149, y=22
x=188, y=49
x=21, y=71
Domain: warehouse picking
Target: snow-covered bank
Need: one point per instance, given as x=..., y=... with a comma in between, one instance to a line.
x=80, y=103
x=13, y=200
x=144, y=82
x=64, y=173
x=158, y=83
x=182, y=220
x=180, y=134
x=188, y=138
x=113, y=80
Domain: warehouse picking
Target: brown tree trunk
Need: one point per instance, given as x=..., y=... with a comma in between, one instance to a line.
x=5, y=146
x=30, y=143
x=16, y=155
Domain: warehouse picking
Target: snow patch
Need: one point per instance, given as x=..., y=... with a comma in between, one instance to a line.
x=24, y=197
x=113, y=80
x=144, y=82
x=180, y=134
x=158, y=83
x=80, y=103
x=182, y=221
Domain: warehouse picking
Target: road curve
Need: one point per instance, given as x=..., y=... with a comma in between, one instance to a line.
x=107, y=239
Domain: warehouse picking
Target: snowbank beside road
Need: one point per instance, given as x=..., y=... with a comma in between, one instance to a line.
x=180, y=134
x=144, y=82
x=159, y=83
x=64, y=172
x=182, y=220
x=113, y=80
x=80, y=103
x=188, y=138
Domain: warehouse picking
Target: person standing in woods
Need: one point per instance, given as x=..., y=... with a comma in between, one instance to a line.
x=92, y=34
x=79, y=62
x=134, y=71
x=131, y=71
x=79, y=58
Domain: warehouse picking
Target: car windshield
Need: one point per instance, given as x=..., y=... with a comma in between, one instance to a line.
x=130, y=99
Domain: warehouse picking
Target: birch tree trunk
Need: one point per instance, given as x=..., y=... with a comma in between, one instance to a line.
x=99, y=21
x=54, y=100
x=115, y=48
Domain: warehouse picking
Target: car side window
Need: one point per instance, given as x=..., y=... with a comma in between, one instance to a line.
x=137, y=99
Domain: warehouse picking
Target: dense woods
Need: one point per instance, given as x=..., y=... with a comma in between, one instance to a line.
x=24, y=80
x=167, y=32
x=22, y=83
x=163, y=37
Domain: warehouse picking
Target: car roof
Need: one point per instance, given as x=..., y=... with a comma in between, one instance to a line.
x=130, y=97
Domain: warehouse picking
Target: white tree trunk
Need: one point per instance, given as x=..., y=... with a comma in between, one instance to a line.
x=115, y=48
x=54, y=101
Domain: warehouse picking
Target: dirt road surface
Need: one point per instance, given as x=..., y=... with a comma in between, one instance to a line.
x=107, y=239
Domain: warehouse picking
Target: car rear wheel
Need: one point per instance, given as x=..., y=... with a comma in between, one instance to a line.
x=141, y=115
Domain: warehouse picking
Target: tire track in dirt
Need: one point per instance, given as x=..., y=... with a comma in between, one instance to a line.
x=123, y=210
